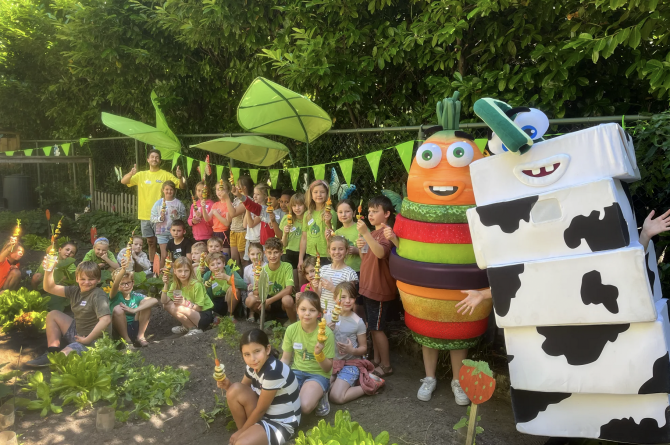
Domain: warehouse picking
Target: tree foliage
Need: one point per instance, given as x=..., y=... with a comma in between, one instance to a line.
x=367, y=62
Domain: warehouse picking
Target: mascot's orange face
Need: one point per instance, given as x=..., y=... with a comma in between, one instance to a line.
x=440, y=172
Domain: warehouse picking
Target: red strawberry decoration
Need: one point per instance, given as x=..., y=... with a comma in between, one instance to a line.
x=477, y=381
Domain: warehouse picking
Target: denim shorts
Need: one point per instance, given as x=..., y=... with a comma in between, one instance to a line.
x=163, y=239
x=307, y=376
x=349, y=374
x=72, y=343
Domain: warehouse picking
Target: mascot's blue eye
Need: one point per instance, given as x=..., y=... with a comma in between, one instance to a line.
x=530, y=131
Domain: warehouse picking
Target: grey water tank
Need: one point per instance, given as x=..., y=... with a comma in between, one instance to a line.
x=16, y=193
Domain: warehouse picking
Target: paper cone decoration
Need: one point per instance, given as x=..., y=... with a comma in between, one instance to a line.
x=274, y=178
x=253, y=172
x=373, y=159
x=346, y=166
x=319, y=171
x=405, y=153
x=295, y=175
x=66, y=149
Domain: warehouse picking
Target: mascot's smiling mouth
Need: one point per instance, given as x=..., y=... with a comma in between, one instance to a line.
x=542, y=172
x=443, y=190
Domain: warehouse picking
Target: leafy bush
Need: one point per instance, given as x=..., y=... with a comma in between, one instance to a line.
x=13, y=304
x=33, y=222
x=344, y=432
x=41, y=244
x=278, y=331
x=116, y=228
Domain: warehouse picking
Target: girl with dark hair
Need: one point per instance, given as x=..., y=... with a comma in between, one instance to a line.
x=266, y=403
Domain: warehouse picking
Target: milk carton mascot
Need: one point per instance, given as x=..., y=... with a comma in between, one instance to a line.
x=445, y=295
x=586, y=327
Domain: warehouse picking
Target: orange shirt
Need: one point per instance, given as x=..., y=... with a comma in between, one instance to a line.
x=223, y=211
x=5, y=267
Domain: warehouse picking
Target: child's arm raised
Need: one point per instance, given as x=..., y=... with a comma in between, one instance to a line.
x=49, y=285
x=377, y=249
x=652, y=227
x=117, y=276
x=240, y=209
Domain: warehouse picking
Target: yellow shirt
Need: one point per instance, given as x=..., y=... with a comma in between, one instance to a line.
x=149, y=186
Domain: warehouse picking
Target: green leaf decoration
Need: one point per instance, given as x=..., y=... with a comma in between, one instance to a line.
x=405, y=152
x=295, y=175
x=253, y=172
x=255, y=150
x=373, y=159
x=274, y=178
x=319, y=171
x=66, y=148
x=480, y=366
x=346, y=166
x=267, y=107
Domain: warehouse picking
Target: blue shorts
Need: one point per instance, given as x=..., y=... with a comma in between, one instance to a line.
x=349, y=374
x=306, y=377
x=163, y=239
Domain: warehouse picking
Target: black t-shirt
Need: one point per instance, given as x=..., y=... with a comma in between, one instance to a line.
x=178, y=250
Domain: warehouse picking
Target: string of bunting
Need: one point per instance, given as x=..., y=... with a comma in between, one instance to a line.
x=56, y=149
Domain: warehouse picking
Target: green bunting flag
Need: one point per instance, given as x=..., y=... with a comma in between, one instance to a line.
x=346, y=166
x=319, y=171
x=28, y=152
x=219, y=172
x=66, y=148
x=405, y=153
x=373, y=159
x=203, y=169
x=274, y=178
x=189, y=164
x=253, y=172
x=481, y=144
x=82, y=141
x=9, y=153
x=47, y=150
x=295, y=175
x=236, y=173
x=175, y=158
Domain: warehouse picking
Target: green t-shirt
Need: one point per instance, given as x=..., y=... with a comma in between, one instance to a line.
x=294, y=235
x=351, y=234
x=90, y=256
x=132, y=302
x=316, y=231
x=195, y=293
x=302, y=344
x=219, y=288
x=279, y=279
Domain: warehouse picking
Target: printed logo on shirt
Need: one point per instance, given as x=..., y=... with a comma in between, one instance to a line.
x=159, y=181
x=148, y=181
x=83, y=303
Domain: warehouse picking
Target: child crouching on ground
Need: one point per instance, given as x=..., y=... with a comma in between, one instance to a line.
x=101, y=255
x=90, y=307
x=350, y=365
x=186, y=300
x=310, y=360
x=217, y=285
x=140, y=260
x=280, y=277
x=255, y=255
x=266, y=404
x=198, y=250
x=131, y=310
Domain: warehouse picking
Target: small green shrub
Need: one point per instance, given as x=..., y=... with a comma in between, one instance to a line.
x=344, y=432
x=13, y=304
x=116, y=228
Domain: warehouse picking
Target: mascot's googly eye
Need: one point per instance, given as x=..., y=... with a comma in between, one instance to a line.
x=496, y=146
x=535, y=123
x=428, y=155
x=460, y=154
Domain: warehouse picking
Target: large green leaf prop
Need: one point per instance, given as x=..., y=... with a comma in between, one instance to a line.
x=160, y=136
x=270, y=108
x=255, y=150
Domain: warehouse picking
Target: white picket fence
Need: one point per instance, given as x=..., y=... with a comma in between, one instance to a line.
x=121, y=203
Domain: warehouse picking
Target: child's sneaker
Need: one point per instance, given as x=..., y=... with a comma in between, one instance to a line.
x=180, y=330
x=194, y=331
x=323, y=408
x=459, y=395
x=428, y=385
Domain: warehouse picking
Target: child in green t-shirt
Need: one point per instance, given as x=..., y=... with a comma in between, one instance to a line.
x=217, y=283
x=315, y=222
x=280, y=277
x=310, y=359
x=186, y=300
x=66, y=251
x=101, y=255
x=291, y=227
x=131, y=311
x=345, y=214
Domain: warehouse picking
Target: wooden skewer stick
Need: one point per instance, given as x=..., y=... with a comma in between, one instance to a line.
x=472, y=424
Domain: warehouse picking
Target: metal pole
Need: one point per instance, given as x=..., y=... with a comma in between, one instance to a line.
x=90, y=181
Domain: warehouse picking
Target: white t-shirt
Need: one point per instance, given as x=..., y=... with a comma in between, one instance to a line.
x=347, y=327
x=336, y=277
x=249, y=274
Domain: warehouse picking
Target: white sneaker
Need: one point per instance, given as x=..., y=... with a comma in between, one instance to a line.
x=194, y=331
x=180, y=330
x=428, y=385
x=459, y=395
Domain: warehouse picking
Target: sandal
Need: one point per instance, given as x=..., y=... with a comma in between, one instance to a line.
x=386, y=371
x=142, y=342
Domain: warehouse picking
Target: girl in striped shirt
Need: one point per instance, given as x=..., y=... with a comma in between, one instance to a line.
x=266, y=404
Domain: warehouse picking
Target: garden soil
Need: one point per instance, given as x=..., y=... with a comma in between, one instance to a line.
x=396, y=410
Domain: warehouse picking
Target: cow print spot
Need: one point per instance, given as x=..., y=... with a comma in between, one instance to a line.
x=510, y=357
x=660, y=379
x=609, y=233
x=581, y=344
x=505, y=282
x=507, y=215
x=627, y=430
x=650, y=273
x=593, y=291
x=527, y=405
